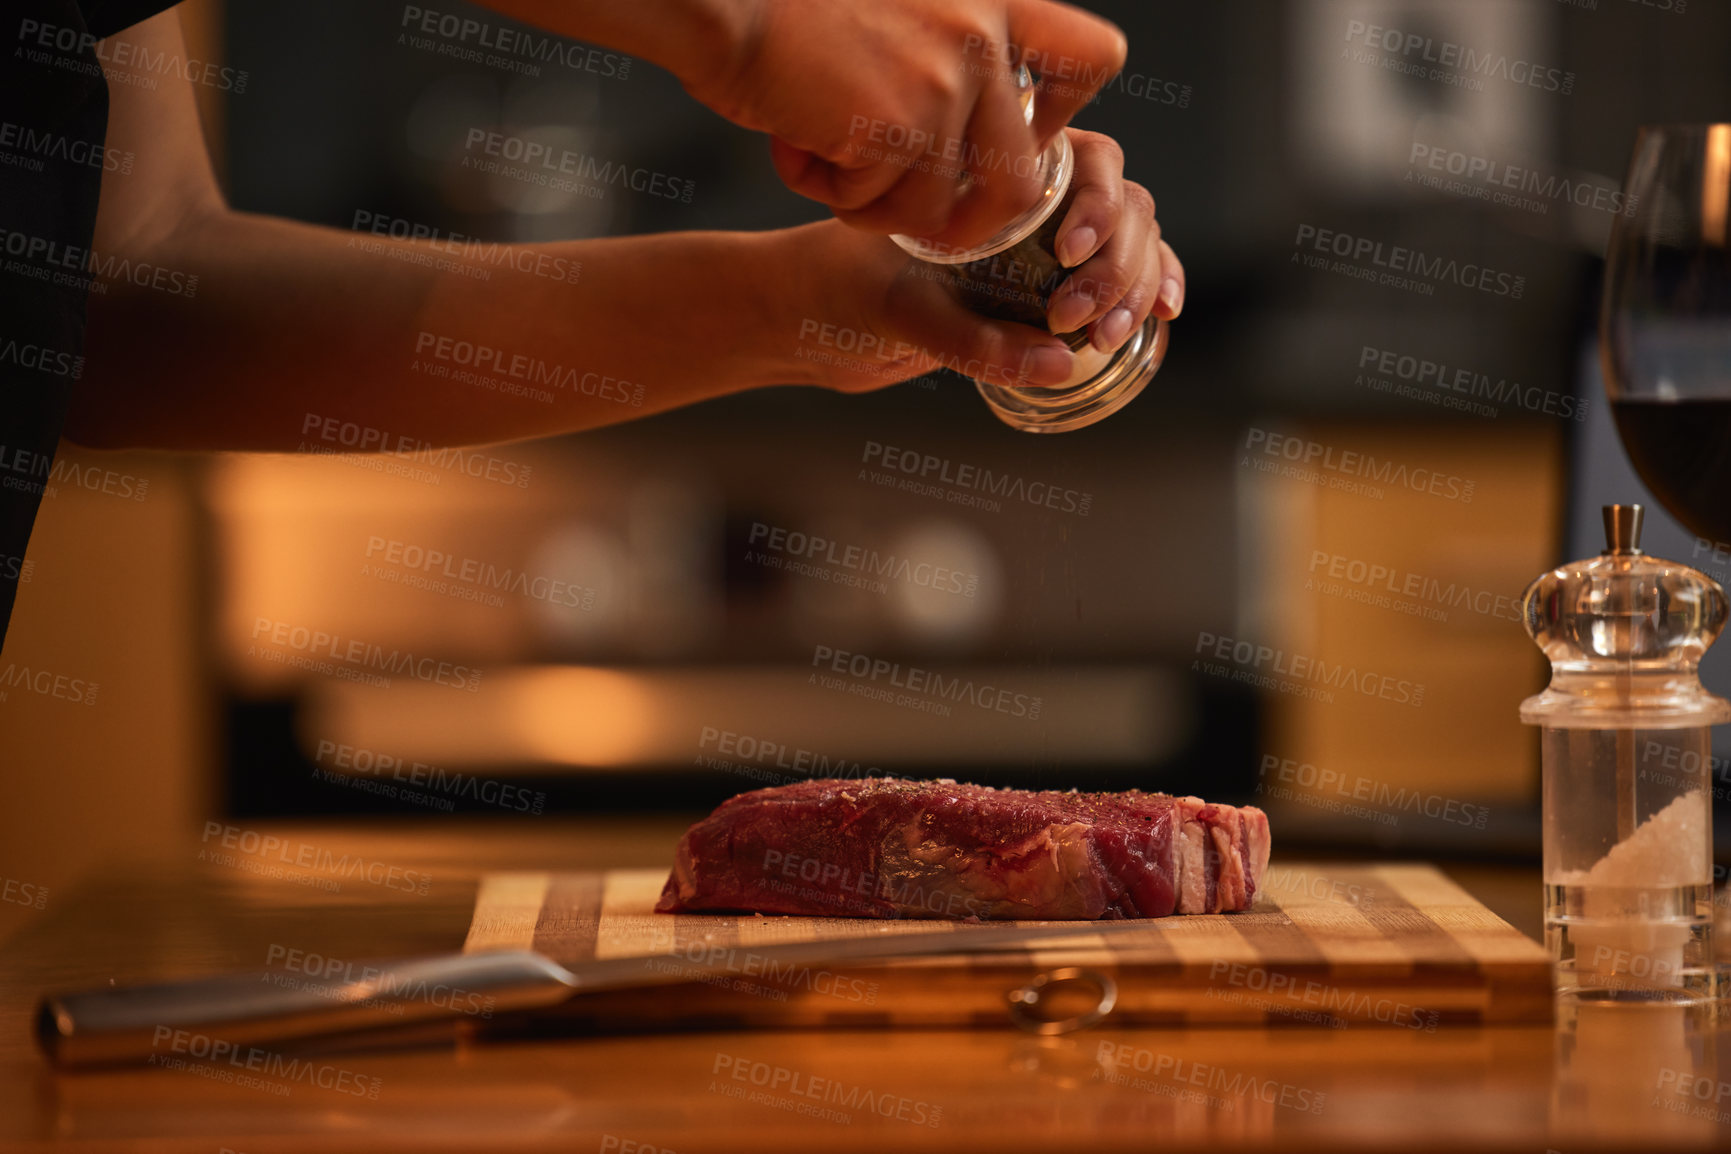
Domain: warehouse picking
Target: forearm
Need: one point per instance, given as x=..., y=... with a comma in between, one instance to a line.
x=453, y=344
x=696, y=40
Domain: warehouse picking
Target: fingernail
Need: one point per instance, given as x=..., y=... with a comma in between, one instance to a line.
x=1076, y=246
x=1171, y=295
x=1067, y=315
x=1113, y=330
x=1047, y=365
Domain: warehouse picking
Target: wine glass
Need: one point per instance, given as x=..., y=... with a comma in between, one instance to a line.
x=1665, y=332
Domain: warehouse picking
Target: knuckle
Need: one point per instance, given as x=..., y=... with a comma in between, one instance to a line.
x=1138, y=199
x=1138, y=298
x=1099, y=287
x=1118, y=46
x=941, y=85
x=1111, y=150
x=993, y=348
x=1108, y=199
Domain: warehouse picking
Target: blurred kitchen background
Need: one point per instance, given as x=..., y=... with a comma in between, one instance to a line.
x=651, y=661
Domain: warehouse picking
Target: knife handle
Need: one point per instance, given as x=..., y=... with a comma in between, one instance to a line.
x=223, y=1018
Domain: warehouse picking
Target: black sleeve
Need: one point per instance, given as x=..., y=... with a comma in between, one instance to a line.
x=106, y=17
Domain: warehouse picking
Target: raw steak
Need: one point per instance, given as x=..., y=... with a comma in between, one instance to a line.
x=888, y=848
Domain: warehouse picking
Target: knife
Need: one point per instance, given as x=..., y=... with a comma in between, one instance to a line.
x=234, y=1013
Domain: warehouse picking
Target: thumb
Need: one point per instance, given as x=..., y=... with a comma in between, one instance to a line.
x=841, y=188
x=796, y=167
x=949, y=335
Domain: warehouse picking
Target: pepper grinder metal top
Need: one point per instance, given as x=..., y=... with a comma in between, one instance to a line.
x=1622, y=529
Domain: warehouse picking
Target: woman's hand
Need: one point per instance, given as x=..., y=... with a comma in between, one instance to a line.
x=878, y=107
x=870, y=315
x=1123, y=269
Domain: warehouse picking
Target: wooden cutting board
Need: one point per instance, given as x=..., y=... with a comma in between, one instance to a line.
x=1399, y=946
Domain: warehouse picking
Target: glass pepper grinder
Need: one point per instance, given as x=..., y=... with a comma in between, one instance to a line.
x=1012, y=277
x=1627, y=753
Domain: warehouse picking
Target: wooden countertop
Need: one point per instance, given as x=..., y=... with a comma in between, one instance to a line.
x=1605, y=1080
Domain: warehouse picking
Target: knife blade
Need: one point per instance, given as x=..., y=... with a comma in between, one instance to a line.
x=231, y=1013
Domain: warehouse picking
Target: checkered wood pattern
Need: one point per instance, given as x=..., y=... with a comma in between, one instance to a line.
x=1397, y=946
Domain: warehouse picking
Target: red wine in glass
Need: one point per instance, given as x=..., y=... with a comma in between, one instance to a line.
x=1665, y=331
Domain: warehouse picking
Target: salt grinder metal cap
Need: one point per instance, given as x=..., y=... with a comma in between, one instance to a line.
x=1626, y=749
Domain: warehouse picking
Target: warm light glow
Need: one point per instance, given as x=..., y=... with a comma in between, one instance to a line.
x=584, y=716
x=1716, y=184
x=775, y=718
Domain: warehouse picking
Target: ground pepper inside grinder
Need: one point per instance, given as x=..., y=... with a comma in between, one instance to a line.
x=1012, y=277
x=1626, y=748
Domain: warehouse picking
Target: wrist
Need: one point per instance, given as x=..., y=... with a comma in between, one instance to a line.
x=704, y=43
x=776, y=298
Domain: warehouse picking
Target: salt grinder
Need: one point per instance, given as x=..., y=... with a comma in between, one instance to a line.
x=1627, y=755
